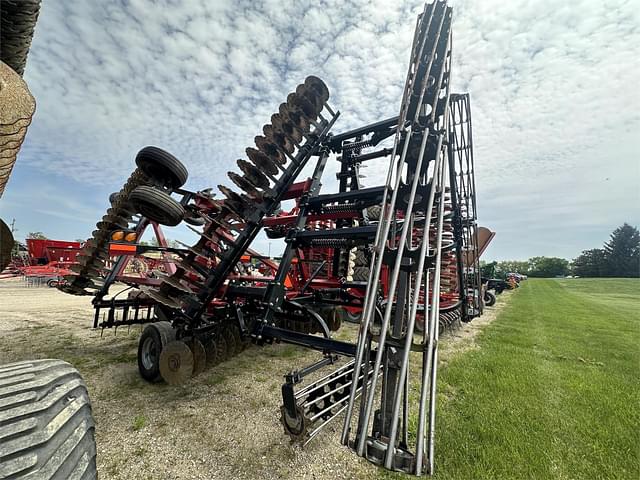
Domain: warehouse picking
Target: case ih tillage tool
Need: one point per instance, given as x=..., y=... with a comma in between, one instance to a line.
x=401, y=259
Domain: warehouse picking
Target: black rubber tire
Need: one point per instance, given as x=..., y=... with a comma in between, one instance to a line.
x=489, y=298
x=193, y=219
x=360, y=274
x=157, y=205
x=161, y=166
x=351, y=317
x=274, y=234
x=51, y=283
x=158, y=334
x=6, y=245
x=46, y=422
x=362, y=257
x=374, y=212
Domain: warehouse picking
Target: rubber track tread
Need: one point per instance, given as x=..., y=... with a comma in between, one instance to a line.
x=46, y=425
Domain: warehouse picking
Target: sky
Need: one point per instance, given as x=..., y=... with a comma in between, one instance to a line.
x=553, y=86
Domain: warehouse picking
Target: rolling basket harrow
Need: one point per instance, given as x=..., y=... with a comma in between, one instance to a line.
x=399, y=259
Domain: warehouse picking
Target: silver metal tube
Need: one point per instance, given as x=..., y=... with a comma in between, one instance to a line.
x=341, y=372
x=414, y=306
x=392, y=287
x=381, y=237
x=325, y=410
x=396, y=271
x=423, y=391
x=427, y=357
x=428, y=328
x=329, y=393
x=434, y=336
x=326, y=422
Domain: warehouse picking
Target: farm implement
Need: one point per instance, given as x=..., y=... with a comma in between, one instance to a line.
x=401, y=259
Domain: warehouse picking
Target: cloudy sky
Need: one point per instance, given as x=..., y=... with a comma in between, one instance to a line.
x=554, y=90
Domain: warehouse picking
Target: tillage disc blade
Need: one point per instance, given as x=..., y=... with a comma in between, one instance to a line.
x=199, y=356
x=318, y=86
x=245, y=185
x=270, y=149
x=222, y=349
x=230, y=340
x=253, y=174
x=176, y=363
x=262, y=161
x=212, y=353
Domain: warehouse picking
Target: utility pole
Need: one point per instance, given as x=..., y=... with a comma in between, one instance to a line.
x=14, y=247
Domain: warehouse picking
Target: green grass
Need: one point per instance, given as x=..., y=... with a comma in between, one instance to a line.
x=139, y=421
x=553, y=392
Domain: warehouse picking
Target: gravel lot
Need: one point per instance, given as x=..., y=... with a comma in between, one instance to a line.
x=222, y=424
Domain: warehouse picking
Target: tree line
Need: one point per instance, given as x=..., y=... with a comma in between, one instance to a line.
x=534, y=267
x=619, y=257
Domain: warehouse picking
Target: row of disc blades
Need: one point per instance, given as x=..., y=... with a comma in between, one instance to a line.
x=182, y=359
x=290, y=127
x=92, y=259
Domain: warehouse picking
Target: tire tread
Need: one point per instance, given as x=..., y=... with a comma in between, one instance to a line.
x=46, y=422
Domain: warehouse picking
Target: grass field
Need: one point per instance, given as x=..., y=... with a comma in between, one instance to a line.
x=553, y=390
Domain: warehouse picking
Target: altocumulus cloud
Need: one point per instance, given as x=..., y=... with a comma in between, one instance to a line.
x=552, y=85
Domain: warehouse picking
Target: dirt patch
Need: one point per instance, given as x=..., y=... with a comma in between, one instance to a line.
x=222, y=424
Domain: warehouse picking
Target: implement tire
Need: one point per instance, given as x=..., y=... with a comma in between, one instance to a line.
x=153, y=339
x=162, y=167
x=157, y=205
x=489, y=298
x=46, y=425
x=361, y=274
x=374, y=213
x=6, y=245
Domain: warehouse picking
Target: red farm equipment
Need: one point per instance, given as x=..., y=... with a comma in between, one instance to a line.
x=400, y=259
x=43, y=261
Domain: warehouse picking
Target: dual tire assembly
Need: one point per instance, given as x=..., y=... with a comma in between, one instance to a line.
x=166, y=173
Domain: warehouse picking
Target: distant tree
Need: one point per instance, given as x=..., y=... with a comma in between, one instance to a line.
x=548, y=267
x=511, y=266
x=591, y=263
x=37, y=236
x=154, y=243
x=488, y=270
x=622, y=252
